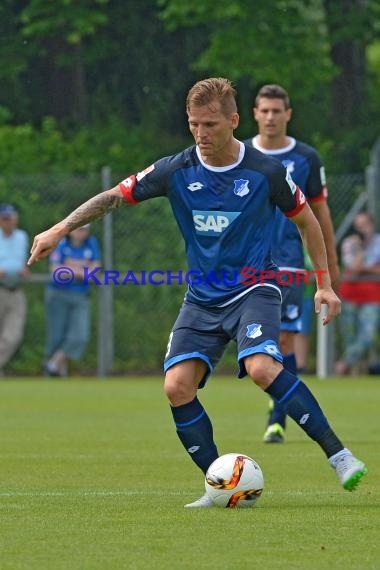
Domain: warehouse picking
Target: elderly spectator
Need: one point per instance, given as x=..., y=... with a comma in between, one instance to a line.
x=13, y=269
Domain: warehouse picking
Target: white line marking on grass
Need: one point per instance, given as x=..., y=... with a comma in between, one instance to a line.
x=146, y=493
x=127, y=493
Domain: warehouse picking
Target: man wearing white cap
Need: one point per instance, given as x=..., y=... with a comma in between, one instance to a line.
x=13, y=256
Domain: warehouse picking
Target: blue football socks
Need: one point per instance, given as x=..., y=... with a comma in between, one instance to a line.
x=277, y=413
x=289, y=362
x=299, y=403
x=195, y=431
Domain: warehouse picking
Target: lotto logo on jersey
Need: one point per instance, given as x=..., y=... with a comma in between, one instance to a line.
x=213, y=223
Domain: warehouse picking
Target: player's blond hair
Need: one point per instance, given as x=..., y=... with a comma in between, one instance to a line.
x=207, y=91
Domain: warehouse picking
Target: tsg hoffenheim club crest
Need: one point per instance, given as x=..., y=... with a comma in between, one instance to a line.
x=289, y=165
x=254, y=330
x=292, y=312
x=241, y=187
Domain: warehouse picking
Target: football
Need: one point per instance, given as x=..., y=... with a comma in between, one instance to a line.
x=234, y=480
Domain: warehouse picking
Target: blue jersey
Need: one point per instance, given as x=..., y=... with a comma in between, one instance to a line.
x=226, y=216
x=88, y=251
x=303, y=163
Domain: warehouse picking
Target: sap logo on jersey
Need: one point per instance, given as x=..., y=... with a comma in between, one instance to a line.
x=214, y=222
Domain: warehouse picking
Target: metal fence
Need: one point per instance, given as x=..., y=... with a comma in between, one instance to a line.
x=364, y=195
x=130, y=322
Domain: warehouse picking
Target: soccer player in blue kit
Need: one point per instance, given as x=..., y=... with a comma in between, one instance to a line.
x=272, y=112
x=224, y=197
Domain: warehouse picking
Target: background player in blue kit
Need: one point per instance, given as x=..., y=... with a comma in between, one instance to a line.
x=67, y=304
x=234, y=191
x=272, y=112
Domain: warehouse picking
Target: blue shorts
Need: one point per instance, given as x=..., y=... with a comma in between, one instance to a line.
x=253, y=322
x=291, y=309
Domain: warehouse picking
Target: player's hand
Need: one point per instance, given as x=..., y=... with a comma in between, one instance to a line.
x=44, y=244
x=329, y=298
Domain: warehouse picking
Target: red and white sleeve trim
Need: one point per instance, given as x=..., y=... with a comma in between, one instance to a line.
x=321, y=197
x=126, y=188
x=301, y=203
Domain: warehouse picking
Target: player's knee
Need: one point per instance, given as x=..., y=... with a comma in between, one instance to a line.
x=182, y=380
x=178, y=389
x=262, y=369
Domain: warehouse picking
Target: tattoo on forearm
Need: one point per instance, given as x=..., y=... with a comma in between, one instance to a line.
x=93, y=209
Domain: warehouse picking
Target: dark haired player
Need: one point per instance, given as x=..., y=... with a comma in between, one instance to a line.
x=272, y=113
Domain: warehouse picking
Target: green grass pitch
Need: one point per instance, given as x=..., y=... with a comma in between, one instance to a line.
x=92, y=477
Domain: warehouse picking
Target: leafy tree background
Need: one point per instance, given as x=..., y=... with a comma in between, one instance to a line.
x=103, y=82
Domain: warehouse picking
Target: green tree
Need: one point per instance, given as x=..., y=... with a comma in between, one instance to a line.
x=316, y=48
x=252, y=42
x=264, y=41
x=116, y=72
x=56, y=32
x=353, y=26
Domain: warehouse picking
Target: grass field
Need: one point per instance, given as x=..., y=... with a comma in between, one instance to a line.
x=92, y=476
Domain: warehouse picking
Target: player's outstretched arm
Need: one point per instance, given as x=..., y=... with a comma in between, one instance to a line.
x=94, y=209
x=312, y=238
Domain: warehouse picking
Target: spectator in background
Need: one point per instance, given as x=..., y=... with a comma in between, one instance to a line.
x=67, y=300
x=360, y=292
x=13, y=269
x=302, y=339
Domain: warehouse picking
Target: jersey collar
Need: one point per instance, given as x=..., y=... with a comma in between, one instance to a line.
x=222, y=168
x=274, y=151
